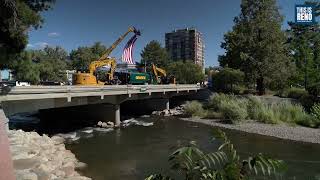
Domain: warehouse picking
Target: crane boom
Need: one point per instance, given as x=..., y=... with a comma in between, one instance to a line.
x=117, y=42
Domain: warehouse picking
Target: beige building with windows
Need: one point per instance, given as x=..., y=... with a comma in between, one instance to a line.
x=186, y=44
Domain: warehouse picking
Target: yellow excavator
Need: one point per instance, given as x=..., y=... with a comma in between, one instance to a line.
x=160, y=76
x=90, y=78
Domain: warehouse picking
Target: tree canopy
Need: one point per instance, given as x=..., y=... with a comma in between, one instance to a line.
x=16, y=18
x=34, y=66
x=154, y=53
x=186, y=72
x=256, y=44
x=304, y=43
x=83, y=56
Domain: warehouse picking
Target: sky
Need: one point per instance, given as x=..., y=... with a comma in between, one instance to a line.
x=74, y=23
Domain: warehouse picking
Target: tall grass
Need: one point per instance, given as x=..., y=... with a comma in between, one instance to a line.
x=230, y=107
x=194, y=108
x=236, y=109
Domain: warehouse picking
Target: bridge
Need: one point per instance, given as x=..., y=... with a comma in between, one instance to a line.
x=32, y=98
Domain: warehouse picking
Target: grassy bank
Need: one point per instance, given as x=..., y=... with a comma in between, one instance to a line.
x=236, y=109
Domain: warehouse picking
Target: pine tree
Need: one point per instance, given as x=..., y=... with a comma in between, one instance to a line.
x=256, y=44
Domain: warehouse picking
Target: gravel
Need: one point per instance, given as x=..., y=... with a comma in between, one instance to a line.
x=283, y=131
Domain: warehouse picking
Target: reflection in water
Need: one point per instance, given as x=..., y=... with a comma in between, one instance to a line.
x=135, y=152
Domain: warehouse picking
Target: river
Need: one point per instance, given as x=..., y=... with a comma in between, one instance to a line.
x=136, y=151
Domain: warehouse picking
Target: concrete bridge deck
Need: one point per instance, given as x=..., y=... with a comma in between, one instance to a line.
x=105, y=98
x=48, y=92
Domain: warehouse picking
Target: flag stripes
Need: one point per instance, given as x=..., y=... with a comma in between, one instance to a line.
x=128, y=49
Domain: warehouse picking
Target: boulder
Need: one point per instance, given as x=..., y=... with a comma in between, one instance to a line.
x=80, y=166
x=110, y=124
x=26, y=176
x=20, y=164
x=104, y=125
x=58, y=140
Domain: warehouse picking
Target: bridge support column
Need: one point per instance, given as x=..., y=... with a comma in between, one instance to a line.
x=117, y=115
x=167, y=104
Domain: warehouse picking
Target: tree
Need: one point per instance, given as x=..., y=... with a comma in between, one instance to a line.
x=304, y=41
x=256, y=44
x=186, y=72
x=16, y=18
x=83, y=56
x=225, y=163
x=227, y=80
x=24, y=69
x=34, y=66
x=153, y=53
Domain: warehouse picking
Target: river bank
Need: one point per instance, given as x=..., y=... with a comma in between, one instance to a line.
x=38, y=157
x=283, y=131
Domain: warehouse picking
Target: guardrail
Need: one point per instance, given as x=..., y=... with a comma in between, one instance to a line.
x=43, y=92
x=75, y=89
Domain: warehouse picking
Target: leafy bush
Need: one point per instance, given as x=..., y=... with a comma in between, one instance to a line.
x=307, y=101
x=233, y=110
x=314, y=89
x=296, y=93
x=230, y=107
x=225, y=163
x=216, y=100
x=315, y=112
x=194, y=108
x=228, y=80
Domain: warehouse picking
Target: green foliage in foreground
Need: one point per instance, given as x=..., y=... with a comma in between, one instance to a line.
x=225, y=163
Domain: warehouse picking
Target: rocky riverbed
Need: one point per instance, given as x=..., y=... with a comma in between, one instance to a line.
x=38, y=157
x=283, y=131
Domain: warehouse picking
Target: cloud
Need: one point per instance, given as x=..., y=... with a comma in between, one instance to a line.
x=41, y=44
x=30, y=46
x=53, y=34
x=38, y=45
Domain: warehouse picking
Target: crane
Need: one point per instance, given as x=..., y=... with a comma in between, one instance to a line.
x=90, y=78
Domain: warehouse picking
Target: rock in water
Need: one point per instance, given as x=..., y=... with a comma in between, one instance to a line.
x=104, y=125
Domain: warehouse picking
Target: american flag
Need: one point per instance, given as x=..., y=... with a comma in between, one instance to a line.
x=127, y=51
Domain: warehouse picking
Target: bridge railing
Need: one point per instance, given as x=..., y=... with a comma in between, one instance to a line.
x=83, y=89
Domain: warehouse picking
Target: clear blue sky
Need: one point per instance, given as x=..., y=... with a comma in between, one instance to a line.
x=74, y=23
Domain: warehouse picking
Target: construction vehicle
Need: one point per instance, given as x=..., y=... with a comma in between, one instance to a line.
x=91, y=78
x=160, y=76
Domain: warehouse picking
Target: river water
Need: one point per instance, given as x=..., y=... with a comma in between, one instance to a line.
x=136, y=151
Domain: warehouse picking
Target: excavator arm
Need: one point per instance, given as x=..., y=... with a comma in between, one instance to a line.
x=117, y=42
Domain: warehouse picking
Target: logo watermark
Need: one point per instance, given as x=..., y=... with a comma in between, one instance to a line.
x=305, y=14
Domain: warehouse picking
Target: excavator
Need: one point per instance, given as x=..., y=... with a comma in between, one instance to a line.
x=161, y=77
x=91, y=78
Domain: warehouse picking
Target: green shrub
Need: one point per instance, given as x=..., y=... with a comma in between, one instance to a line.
x=233, y=110
x=315, y=112
x=216, y=100
x=308, y=121
x=228, y=80
x=307, y=101
x=214, y=115
x=289, y=112
x=194, y=108
x=254, y=107
x=296, y=93
x=314, y=89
